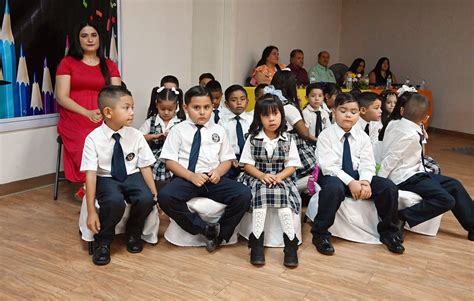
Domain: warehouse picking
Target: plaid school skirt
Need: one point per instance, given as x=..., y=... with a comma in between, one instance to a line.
x=280, y=196
x=160, y=173
x=307, y=152
x=431, y=165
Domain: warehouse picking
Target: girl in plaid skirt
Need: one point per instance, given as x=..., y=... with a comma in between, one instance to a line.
x=271, y=158
x=161, y=117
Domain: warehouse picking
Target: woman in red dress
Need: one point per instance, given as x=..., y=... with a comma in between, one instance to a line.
x=79, y=78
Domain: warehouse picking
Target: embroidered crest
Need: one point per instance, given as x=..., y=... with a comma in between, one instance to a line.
x=324, y=120
x=216, y=138
x=130, y=157
x=286, y=147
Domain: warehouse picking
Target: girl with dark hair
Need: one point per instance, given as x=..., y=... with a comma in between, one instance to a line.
x=357, y=67
x=79, y=78
x=271, y=157
x=161, y=117
x=378, y=76
x=285, y=82
x=389, y=101
x=267, y=66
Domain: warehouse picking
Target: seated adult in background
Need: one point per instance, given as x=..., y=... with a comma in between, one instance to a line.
x=321, y=72
x=205, y=78
x=267, y=66
x=79, y=78
x=296, y=66
x=378, y=76
x=357, y=67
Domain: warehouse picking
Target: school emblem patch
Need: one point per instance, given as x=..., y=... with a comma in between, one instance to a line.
x=130, y=157
x=324, y=120
x=215, y=138
x=286, y=147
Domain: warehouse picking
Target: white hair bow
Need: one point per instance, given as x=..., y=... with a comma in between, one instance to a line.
x=175, y=91
x=271, y=89
x=172, y=89
x=404, y=89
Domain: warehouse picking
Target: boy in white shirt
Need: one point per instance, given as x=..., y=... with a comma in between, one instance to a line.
x=117, y=160
x=347, y=167
x=403, y=163
x=198, y=153
x=315, y=117
x=370, y=114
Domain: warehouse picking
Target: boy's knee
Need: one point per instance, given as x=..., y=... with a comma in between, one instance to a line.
x=448, y=201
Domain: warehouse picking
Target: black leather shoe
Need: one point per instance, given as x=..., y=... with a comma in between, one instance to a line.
x=257, y=254
x=323, y=245
x=470, y=235
x=211, y=230
x=134, y=245
x=393, y=244
x=101, y=255
x=401, y=228
x=213, y=244
x=291, y=251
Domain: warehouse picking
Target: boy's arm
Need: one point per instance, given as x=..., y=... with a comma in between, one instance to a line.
x=328, y=160
x=93, y=222
x=396, y=151
x=367, y=160
x=150, y=182
x=178, y=170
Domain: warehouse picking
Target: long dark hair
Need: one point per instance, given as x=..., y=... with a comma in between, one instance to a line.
x=355, y=65
x=266, y=104
x=397, y=111
x=285, y=81
x=378, y=67
x=384, y=95
x=265, y=54
x=164, y=95
x=76, y=52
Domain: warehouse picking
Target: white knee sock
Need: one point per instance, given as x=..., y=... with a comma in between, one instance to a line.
x=286, y=220
x=258, y=221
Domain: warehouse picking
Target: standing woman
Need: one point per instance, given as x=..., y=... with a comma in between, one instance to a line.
x=378, y=76
x=267, y=66
x=79, y=78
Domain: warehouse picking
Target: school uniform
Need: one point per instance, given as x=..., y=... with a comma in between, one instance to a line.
x=305, y=149
x=214, y=148
x=402, y=163
x=343, y=157
x=272, y=156
x=371, y=128
x=156, y=125
x=115, y=186
x=316, y=120
x=328, y=111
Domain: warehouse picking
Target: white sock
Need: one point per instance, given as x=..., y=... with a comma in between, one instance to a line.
x=258, y=221
x=286, y=220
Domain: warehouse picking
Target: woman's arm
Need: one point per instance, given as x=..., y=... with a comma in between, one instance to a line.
x=63, y=88
x=261, y=78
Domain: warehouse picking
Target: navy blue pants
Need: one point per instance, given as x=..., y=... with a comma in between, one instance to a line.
x=333, y=191
x=111, y=195
x=440, y=194
x=236, y=196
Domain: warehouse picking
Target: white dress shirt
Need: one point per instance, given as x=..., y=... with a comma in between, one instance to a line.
x=327, y=110
x=401, y=151
x=292, y=116
x=374, y=129
x=330, y=150
x=270, y=145
x=215, y=146
x=99, y=147
x=146, y=126
x=309, y=116
x=229, y=123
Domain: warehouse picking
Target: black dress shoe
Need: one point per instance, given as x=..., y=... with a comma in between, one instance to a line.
x=323, y=245
x=393, y=244
x=401, y=228
x=470, y=235
x=213, y=244
x=134, y=245
x=211, y=230
x=101, y=255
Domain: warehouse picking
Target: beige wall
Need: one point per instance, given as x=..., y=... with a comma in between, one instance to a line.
x=424, y=39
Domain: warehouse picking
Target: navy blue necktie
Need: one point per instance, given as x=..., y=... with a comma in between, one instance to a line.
x=216, y=116
x=240, y=134
x=118, y=170
x=330, y=117
x=347, y=166
x=366, y=130
x=195, y=147
x=319, y=124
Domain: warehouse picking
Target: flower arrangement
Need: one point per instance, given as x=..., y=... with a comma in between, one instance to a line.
x=359, y=82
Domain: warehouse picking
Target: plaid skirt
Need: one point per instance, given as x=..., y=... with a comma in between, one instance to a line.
x=431, y=165
x=160, y=173
x=307, y=154
x=280, y=196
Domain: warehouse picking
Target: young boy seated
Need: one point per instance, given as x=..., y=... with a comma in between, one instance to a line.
x=116, y=160
x=205, y=78
x=315, y=117
x=198, y=154
x=403, y=163
x=236, y=123
x=347, y=168
x=215, y=89
x=370, y=114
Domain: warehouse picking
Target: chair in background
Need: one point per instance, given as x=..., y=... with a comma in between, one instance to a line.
x=339, y=71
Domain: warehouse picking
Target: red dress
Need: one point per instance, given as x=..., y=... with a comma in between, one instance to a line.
x=86, y=83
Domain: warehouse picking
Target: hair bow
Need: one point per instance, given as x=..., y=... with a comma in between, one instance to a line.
x=286, y=69
x=175, y=91
x=404, y=89
x=271, y=89
x=160, y=89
